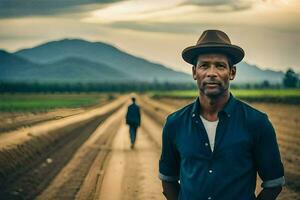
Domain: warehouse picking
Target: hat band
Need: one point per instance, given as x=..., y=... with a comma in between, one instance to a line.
x=213, y=43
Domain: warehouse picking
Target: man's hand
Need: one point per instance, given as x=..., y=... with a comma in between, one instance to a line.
x=269, y=193
x=171, y=190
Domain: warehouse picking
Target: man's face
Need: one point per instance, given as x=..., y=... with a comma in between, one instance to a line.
x=213, y=74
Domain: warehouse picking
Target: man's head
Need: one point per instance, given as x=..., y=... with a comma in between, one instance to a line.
x=213, y=59
x=133, y=99
x=213, y=73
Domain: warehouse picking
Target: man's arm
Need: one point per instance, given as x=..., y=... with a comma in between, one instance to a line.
x=171, y=189
x=169, y=162
x=139, y=114
x=268, y=161
x=269, y=193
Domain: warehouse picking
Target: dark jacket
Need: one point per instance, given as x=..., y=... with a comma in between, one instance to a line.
x=133, y=116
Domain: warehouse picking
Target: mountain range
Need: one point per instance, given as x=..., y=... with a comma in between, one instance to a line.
x=76, y=60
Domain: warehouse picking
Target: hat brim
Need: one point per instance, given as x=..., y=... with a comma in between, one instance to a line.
x=235, y=53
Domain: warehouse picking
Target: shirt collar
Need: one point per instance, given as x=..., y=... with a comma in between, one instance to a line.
x=228, y=109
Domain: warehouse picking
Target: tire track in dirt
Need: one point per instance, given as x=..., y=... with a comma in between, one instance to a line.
x=33, y=177
x=28, y=183
x=68, y=182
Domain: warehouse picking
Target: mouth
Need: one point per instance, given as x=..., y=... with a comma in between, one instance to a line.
x=211, y=83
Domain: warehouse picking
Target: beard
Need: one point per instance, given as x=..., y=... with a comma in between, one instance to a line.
x=213, y=88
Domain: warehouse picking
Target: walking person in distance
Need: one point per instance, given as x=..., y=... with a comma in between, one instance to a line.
x=133, y=119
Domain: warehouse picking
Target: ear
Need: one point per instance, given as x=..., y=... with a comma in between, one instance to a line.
x=194, y=72
x=232, y=72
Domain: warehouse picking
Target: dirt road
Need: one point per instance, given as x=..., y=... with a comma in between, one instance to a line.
x=31, y=158
x=125, y=173
x=132, y=173
x=95, y=162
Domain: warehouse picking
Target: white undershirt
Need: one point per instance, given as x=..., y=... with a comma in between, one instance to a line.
x=210, y=128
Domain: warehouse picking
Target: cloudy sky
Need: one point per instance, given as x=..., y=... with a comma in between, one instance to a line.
x=158, y=30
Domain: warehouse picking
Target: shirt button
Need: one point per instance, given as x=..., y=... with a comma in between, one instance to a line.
x=209, y=198
x=206, y=144
x=210, y=171
x=193, y=115
x=196, y=122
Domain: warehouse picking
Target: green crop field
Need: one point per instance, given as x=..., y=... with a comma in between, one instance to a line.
x=44, y=102
x=272, y=95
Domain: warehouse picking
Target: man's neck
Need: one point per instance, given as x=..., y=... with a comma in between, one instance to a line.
x=210, y=107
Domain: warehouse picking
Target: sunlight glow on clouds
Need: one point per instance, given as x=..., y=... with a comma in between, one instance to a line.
x=131, y=10
x=201, y=11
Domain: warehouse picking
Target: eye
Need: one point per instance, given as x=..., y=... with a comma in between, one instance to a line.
x=221, y=66
x=203, y=65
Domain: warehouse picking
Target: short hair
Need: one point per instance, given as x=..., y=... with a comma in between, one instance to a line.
x=227, y=56
x=133, y=99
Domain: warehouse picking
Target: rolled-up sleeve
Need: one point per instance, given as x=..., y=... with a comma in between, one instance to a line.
x=274, y=183
x=267, y=155
x=169, y=161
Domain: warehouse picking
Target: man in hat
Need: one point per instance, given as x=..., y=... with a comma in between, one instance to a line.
x=214, y=147
x=133, y=119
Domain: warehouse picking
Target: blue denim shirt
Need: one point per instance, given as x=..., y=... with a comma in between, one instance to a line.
x=245, y=144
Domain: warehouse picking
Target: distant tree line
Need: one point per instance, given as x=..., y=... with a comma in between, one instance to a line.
x=36, y=87
x=290, y=80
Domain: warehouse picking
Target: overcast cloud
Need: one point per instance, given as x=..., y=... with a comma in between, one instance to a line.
x=23, y=8
x=158, y=30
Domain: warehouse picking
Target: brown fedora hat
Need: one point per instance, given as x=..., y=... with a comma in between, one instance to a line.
x=213, y=41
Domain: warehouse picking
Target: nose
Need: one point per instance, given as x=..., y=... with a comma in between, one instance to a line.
x=212, y=71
